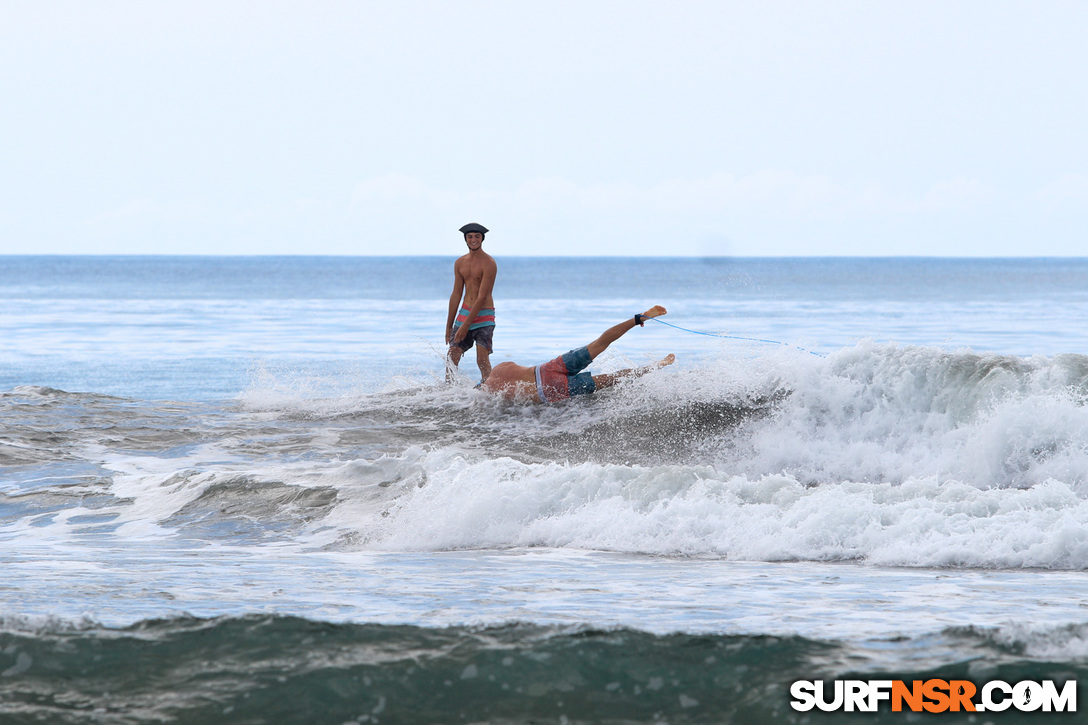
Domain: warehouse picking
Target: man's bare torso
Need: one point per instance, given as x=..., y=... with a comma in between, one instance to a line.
x=471, y=268
x=513, y=381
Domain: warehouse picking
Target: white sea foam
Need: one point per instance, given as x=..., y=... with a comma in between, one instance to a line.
x=695, y=511
x=902, y=456
x=1057, y=643
x=890, y=455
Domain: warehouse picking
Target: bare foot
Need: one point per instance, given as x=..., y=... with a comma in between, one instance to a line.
x=655, y=311
x=667, y=360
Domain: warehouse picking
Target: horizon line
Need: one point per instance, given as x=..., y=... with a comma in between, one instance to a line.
x=548, y=256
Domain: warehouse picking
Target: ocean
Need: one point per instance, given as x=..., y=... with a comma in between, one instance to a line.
x=239, y=490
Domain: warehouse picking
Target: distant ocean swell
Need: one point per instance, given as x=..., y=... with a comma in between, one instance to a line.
x=271, y=669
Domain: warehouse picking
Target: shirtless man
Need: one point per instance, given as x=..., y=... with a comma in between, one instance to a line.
x=474, y=321
x=562, y=377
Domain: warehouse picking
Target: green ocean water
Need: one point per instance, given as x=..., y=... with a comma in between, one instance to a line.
x=268, y=669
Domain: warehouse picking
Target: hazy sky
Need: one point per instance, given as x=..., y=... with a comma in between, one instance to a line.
x=674, y=128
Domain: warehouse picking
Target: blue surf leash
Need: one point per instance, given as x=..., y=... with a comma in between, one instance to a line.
x=735, y=337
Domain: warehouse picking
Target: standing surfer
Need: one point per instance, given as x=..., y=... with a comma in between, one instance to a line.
x=473, y=321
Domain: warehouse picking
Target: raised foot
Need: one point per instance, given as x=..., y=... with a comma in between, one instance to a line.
x=655, y=311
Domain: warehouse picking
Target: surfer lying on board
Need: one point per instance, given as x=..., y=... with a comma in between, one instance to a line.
x=562, y=377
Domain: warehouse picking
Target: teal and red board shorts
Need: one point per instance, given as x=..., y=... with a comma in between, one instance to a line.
x=562, y=377
x=482, y=329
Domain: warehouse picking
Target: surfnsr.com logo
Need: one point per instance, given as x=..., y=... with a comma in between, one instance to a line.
x=934, y=696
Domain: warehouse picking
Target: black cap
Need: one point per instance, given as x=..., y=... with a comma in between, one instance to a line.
x=473, y=227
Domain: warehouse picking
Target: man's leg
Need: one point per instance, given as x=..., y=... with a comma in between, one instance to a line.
x=482, y=336
x=607, y=380
x=615, y=332
x=483, y=359
x=453, y=357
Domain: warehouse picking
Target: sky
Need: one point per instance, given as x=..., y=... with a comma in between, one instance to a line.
x=567, y=128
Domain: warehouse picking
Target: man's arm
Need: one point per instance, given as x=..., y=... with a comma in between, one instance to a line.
x=455, y=300
x=615, y=332
x=487, y=284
